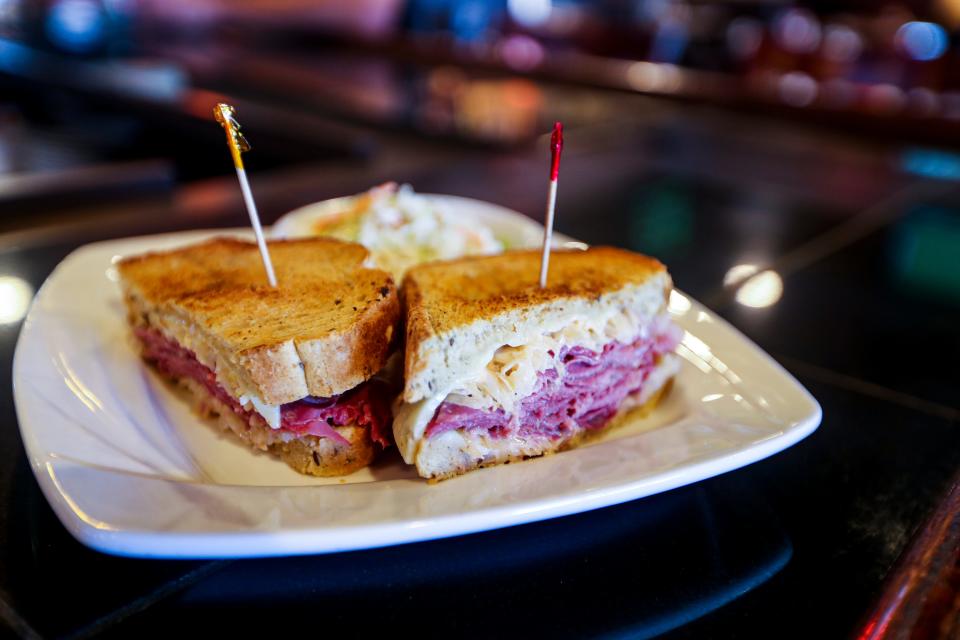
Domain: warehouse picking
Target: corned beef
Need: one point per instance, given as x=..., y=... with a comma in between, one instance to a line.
x=583, y=392
x=365, y=404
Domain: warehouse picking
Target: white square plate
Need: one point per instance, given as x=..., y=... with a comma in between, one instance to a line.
x=130, y=470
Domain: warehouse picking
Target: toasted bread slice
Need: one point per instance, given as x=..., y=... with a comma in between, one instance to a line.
x=327, y=327
x=482, y=336
x=462, y=310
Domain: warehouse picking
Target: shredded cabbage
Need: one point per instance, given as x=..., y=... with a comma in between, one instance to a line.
x=403, y=229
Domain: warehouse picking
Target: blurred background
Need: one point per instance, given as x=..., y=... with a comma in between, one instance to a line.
x=129, y=83
x=718, y=135
x=794, y=163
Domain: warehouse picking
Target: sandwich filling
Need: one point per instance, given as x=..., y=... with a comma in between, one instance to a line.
x=583, y=389
x=364, y=405
x=576, y=377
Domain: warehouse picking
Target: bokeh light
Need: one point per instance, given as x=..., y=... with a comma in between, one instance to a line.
x=521, y=52
x=798, y=31
x=922, y=41
x=530, y=13
x=654, y=76
x=885, y=98
x=76, y=25
x=841, y=43
x=798, y=89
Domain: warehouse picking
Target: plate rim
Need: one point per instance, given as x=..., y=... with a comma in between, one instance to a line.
x=322, y=539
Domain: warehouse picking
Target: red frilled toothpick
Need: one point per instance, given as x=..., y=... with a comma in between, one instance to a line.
x=556, y=146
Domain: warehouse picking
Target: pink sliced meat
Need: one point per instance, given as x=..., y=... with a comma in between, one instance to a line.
x=365, y=405
x=587, y=396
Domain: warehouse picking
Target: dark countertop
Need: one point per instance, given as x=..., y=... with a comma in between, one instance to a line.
x=798, y=545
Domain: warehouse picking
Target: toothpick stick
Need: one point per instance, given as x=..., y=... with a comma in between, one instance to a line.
x=556, y=146
x=226, y=116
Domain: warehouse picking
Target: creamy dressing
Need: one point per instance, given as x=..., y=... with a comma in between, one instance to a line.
x=269, y=412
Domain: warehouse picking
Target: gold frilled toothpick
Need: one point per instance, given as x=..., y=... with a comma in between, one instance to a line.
x=556, y=146
x=226, y=116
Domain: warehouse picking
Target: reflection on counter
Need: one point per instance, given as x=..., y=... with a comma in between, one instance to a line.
x=754, y=288
x=730, y=540
x=925, y=253
x=15, y=296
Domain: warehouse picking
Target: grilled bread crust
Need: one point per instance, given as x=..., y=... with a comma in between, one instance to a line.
x=327, y=327
x=457, y=309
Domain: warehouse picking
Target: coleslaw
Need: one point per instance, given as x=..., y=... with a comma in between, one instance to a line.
x=402, y=228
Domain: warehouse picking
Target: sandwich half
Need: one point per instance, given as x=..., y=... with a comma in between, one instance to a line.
x=498, y=370
x=289, y=370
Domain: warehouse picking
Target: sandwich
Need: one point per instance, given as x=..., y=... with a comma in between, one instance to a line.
x=498, y=370
x=290, y=370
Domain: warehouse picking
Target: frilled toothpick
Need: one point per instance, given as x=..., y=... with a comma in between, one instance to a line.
x=226, y=116
x=556, y=146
